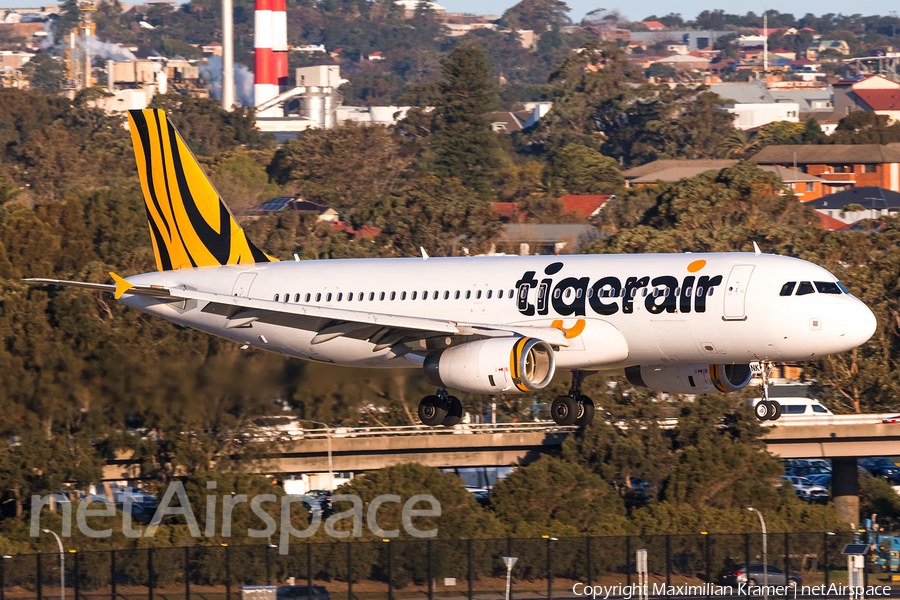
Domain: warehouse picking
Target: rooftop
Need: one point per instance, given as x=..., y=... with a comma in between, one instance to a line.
x=584, y=205
x=869, y=197
x=880, y=99
x=830, y=154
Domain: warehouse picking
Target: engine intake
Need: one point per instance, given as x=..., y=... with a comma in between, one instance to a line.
x=690, y=379
x=492, y=366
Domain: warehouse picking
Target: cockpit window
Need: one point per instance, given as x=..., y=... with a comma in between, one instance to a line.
x=788, y=288
x=804, y=288
x=828, y=287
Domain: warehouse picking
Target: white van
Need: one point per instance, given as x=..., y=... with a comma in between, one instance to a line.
x=794, y=402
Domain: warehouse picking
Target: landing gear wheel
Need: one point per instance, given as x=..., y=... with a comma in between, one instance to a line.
x=584, y=413
x=774, y=410
x=432, y=410
x=761, y=410
x=454, y=412
x=564, y=410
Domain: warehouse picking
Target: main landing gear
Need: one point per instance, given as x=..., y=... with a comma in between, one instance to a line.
x=765, y=409
x=574, y=408
x=440, y=409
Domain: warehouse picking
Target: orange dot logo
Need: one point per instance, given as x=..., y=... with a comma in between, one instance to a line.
x=696, y=266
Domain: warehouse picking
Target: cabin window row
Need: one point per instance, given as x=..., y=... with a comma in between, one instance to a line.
x=372, y=296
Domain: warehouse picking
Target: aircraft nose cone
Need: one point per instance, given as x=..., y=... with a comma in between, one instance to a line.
x=860, y=324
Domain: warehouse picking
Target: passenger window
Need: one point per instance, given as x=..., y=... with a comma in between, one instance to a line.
x=393, y=295
x=381, y=296
x=307, y=298
x=787, y=289
x=350, y=297
x=469, y=293
x=489, y=294
x=296, y=297
x=328, y=297
x=276, y=297
x=318, y=297
x=425, y=295
x=287, y=297
x=403, y=295
x=340, y=296
x=711, y=290
x=434, y=296
x=456, y=295
x=360, y=296
x=819, y=409
x=414, y=294
x=827, y=287
x=805, y=288
x=678, y=291
x=446, y=295
x=699, y=292
x=590, y=293
x=371, y=296
x=478, y=295
x=512, y=294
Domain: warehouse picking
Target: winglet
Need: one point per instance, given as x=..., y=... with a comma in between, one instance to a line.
x=756, y=249
x=122, y=286
x=424, y=254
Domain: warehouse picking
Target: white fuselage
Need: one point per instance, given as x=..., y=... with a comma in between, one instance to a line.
x=743, y=319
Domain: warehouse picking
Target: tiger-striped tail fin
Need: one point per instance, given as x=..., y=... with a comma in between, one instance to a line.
x=189, y=223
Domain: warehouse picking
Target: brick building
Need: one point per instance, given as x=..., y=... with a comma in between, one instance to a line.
x=840, y=166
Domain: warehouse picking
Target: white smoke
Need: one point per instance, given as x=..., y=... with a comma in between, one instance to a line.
x=50, y=40
x=108, y=50
x=211, y=72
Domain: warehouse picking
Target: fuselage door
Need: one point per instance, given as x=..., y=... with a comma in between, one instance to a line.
x=242, y=285
x=736, y=292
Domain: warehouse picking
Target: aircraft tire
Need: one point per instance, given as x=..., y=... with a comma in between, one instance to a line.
x=774, y=410
x=564, y=410
x=584, y=411
x=432, y=411
x=761, y=410
x=454, y=412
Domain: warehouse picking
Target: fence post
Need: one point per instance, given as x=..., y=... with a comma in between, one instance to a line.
x=430, y=574
x=76, y=575
x=227, y=571
x=668, y=563
x=350, y=570
x=309, y=576
x=112, y=574
x=549, y=567
x=40, y=578
x=825, y=546
x=589, y=565
x=471, y=597
x=390, y=570
x=150, y=583
x=628, y=559
x=187, y=573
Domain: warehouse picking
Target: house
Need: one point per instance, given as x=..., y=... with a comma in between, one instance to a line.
x=214, y=48
x=819, y=46
x=840, y=166
x=850, y=94
x=693, y=39
x=805, y=186
x=585, y=205
x=409, y=7
x=876, y=202
x=505, y=121
x=326, y=213
x=528, y=238
x=509, y=212
x=806, y=68
x=654, y=25
x=686, y=62
x=376, y=56
x=830, y=223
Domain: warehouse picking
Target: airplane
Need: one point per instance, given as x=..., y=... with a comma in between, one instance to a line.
x=677, y=323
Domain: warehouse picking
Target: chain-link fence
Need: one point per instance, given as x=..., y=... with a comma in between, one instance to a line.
x=677, y=565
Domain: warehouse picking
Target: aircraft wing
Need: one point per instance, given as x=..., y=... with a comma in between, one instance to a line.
x=388, y=329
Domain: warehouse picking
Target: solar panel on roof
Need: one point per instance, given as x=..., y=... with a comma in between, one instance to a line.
x=275, y=204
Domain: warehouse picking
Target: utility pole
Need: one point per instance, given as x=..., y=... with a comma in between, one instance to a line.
x=227, y=55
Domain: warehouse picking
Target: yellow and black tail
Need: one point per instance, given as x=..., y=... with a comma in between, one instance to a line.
x=189, y=224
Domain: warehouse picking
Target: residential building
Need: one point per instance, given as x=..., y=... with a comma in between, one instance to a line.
x=809, y=97
x=819, y=46
x=753, y=116
x=324, y=212
x=876, y=202
x=856, y=93
x=806, y=68
x=535, y=238
x=409, y=7
x=654, y=25
x=371, y=115
x=13, y=60
x=686, y=62
x=805, y=186
x=506, y=121
x=695, y=40
x=840, y=166
x=585, y=206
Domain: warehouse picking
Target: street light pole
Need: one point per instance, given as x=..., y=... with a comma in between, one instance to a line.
x=62, y=566
x=762, y=524
x=330, y=464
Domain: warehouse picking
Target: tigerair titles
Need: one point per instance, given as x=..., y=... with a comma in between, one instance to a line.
x=608, y=295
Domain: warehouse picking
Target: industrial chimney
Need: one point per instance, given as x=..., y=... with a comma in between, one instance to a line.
x=279, y=43
x=266, y=79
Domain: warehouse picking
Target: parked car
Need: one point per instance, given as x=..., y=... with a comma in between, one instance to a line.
x=806, y=489
x=754, y=576
x=807, y=471
x=823, y=480
x=881, y=466
x=299, y=592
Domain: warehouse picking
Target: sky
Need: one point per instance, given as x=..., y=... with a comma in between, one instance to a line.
x=637, y=9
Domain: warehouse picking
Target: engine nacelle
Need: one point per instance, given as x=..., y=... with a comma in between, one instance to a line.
x=492, y=366
x=690, y=379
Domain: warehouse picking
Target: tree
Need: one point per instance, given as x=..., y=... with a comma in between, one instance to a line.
x=865, y=127
x=462, y=143
x=581, y=170
x=537, y=15
x=45, y=73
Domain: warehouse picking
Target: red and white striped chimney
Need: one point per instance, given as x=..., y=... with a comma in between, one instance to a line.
x=279, y=42
x=266, y=80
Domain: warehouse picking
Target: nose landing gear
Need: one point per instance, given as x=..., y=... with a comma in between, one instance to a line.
x=573, y=408
x=440, y=409
x=765, y=409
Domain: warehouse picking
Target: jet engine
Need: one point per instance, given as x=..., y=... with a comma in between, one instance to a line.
x=492, y=366
x=690, y=379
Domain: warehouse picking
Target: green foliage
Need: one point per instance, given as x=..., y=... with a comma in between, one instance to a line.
x=865, y=127
x=581, y=170
x=45, y=73
x=537, y=15
x=876, y=495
